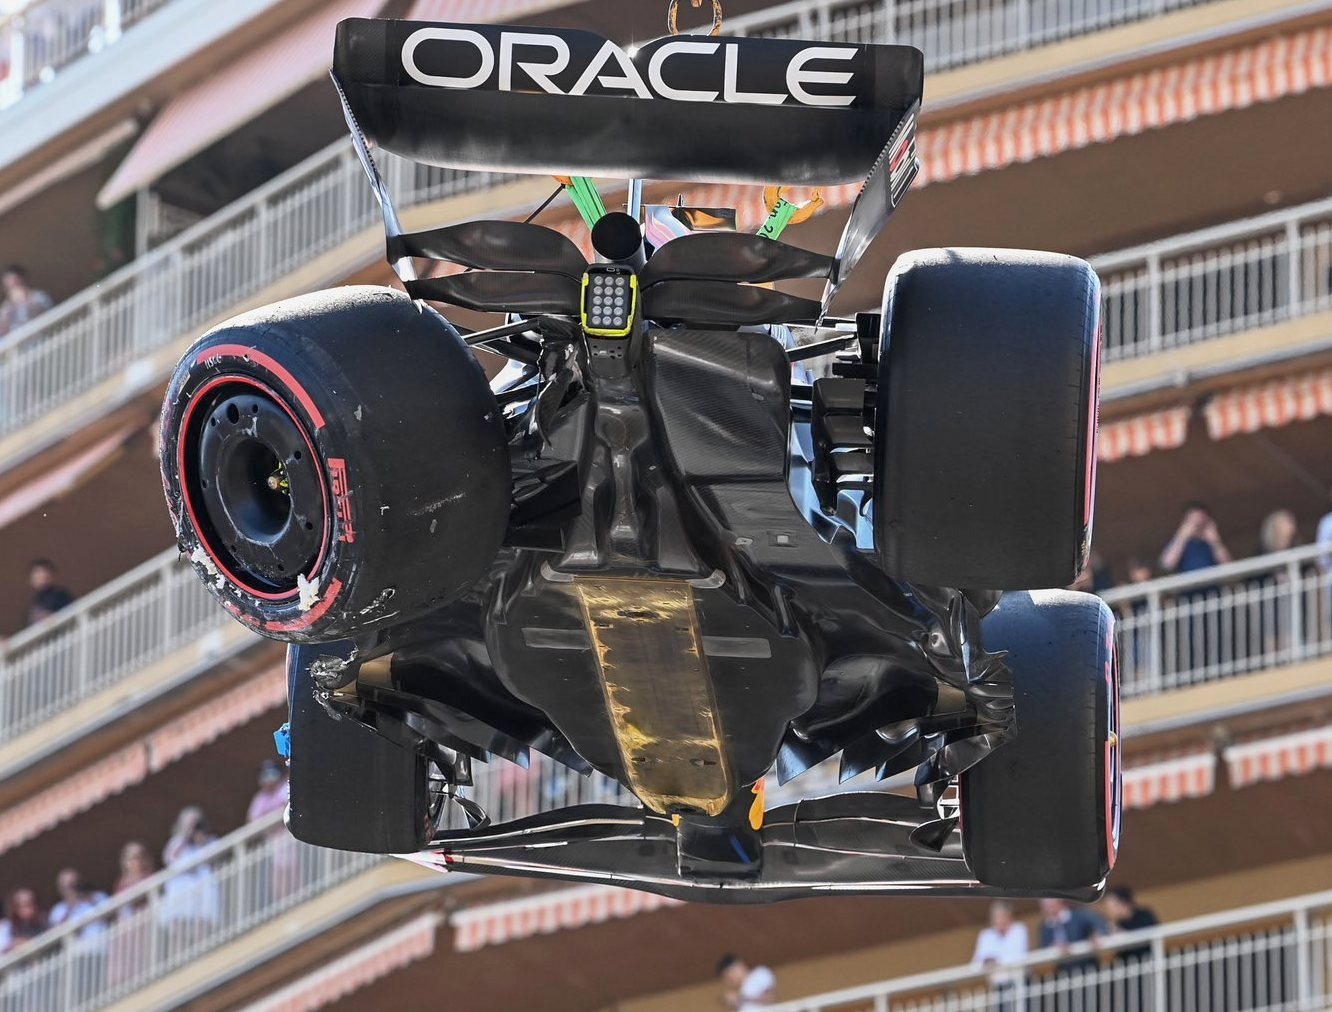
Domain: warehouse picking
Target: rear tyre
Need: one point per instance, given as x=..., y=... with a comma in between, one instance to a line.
x=335, y=463
x=985, y=423
x=1042, y=812
x=351, y=789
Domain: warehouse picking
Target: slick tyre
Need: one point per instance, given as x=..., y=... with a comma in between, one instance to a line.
x=334, y=463
x=1042, y=812
x=985, y=418
x=351, y=789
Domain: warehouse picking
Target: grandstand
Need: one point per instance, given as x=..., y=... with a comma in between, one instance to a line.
x=165, y=164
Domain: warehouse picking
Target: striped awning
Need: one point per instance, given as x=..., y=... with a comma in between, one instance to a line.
x=1269, y=405
x=1291, y=754
x=1170, y=778
x=357, y=969
x=1141, y=434
x=1262, y=71
x=548, y=912
x=471, y=12
x=65, y=477
x=136, y=762
x=232, y=96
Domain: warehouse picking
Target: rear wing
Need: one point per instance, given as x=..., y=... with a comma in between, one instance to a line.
x=560, y=101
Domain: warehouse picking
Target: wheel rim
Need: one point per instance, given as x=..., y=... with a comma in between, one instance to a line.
x=253, y=487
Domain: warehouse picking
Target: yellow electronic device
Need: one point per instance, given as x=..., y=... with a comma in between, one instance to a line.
x=610, y=301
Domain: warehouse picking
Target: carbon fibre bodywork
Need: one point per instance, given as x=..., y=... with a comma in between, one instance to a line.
x=682, y=473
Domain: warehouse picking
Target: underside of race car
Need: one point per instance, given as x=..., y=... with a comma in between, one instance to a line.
x=700, y=531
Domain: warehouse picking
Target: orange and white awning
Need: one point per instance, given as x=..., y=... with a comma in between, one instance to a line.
x=1279, y=756
x=511, y=920
x=1270, y=405
x=357, y=969
x=232, y=96
x=1141, y=434
x=134, y=763
x=1173, y=778
x=1262, y=71
x=473, y=12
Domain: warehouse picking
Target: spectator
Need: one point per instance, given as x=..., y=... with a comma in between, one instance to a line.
x=90, y=947
x=21, y=301
x=1133, y=613
x=1269, y=609
x=24, y=920
x=76, y=899
x=190, y=901
x=1063, y=926
x=132, y=943
x=272, y=794
x=1279, y=532
x=281, y=854
x=1324, y=540
x=47, y=597
x=1127, y=915
x=746, y=987
x=1196, y=545
x=1002, y=944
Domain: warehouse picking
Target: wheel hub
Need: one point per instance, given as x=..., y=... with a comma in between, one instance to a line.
x=259, y=486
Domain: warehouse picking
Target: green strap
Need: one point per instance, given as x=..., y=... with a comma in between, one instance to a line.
x=583, y=192
x=778, y=220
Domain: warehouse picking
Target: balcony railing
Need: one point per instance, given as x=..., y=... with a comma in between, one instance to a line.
x=951, y=33
x=1272, y=957
x=48, y=35
x=1225, y=621
x=311, y=209
x=200, y=275
x=1218, y=281
x=149, y=613
x=177, y=916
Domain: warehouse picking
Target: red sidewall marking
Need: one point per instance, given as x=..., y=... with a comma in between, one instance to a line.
x=273, y=366
x=313, y=615
x=1113, y=780
x=195, y=401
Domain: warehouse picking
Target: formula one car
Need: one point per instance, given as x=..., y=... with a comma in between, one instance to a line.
x=701, y=529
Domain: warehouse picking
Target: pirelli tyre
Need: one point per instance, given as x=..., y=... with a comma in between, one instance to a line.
x=334, y=463
x=985, y=418
x=1042, y=812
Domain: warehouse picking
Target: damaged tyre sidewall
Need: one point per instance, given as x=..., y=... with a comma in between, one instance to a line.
x=408, y=489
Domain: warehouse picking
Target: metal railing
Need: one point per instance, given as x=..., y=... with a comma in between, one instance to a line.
x=309, y=210
x=230, y=887
x=149, y=613
x=1225, y=621
x=48, y=35
x=1217, y=281
x=201, y=274
x=951, y=33
x=1270, y=957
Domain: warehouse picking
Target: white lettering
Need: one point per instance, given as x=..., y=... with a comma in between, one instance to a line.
x=731, y=91
x=797, y=76
x=613, y=70
x=666, y=52
x=447, y=35
x=627, y=81
x=541, y=73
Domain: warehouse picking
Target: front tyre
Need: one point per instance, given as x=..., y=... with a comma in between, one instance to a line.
x=985, y=420
x=1042, y=812
x=335, y=463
